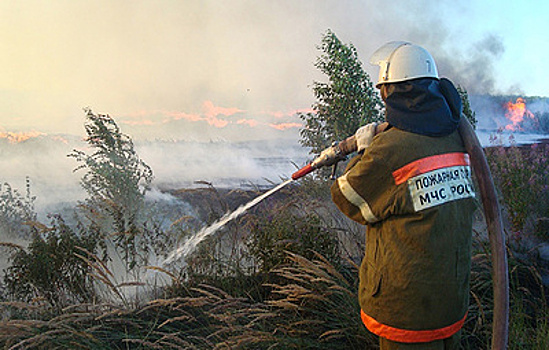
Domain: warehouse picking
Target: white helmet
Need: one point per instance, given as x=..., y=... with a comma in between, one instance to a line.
x=402, y=61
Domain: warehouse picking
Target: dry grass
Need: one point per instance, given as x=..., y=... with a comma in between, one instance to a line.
x=312, y=306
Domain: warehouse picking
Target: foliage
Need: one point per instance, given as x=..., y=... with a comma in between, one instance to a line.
x=180, y=323
x=521, y=176
x=273, y=235
x=318, y=303
x=313, y=306
x=466, y=107
x=343, y=103
x=16, y=210
x=116, y=181
x=529, y=312
x=220, y=257
x=258, y=242
x=50, y=268
x=305, y=303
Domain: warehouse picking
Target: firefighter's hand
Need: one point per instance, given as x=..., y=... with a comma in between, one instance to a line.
x=326, y=158
x=365, y=135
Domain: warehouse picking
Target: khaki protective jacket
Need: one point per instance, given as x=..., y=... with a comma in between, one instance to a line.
x=415, y=194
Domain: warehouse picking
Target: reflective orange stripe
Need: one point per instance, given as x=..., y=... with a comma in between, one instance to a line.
x=409, y=336
x=424, y=165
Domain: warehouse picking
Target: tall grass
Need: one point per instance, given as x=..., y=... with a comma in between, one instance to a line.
x=294, y=301
x=312, y=306
x=521, y=175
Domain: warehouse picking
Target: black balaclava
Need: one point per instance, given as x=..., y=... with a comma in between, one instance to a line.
x=423, y=106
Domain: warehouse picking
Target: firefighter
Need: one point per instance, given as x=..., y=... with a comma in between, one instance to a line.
x=411, y=186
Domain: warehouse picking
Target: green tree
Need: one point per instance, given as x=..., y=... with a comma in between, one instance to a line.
x=116, y=181
x=467, y=110
x=343, y=103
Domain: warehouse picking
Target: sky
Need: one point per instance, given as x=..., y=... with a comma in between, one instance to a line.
x=237, y=69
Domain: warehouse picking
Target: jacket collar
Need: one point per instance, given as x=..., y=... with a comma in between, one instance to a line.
x=422, y=107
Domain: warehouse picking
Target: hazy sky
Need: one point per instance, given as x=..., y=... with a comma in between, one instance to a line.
x=176, y=69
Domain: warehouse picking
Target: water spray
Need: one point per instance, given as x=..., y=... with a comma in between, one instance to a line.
x=331, y=156
x=193, y=241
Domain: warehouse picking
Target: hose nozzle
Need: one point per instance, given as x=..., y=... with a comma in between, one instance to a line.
x=332, y=155
x=302, y=172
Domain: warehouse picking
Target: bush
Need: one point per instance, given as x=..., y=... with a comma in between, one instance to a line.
x=466, y=107
x=313, y=306
x=520, y=174
x=272, y=236
x=528, y=311
x=16, y=210
x=50, y=268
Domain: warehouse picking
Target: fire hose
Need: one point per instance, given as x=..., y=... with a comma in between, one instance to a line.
x=332, y=155
x=492, y=214
x=494, y=222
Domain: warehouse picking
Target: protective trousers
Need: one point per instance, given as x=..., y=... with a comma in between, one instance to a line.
x=451, y=343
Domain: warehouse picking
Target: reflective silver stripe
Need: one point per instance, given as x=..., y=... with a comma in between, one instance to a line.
x=354, y=198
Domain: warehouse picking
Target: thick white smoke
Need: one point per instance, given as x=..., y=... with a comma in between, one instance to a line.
x=175, y=164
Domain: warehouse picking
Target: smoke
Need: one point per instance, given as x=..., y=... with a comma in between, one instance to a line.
x=200, y=71
x=222, y=163
x=248, y=55
x=43, y=159
x=539, y=106
x=213, y=121
x=510, y=119
x=465, y=54
x=473, y=67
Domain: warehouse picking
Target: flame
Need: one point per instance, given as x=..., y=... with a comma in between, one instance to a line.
x=284, y=126
x=181, y=115
x=516, y=112
x=60, y=139
x=250, y=122
x=17, y=137
x=211, y=111
x=215, y=116
x=276, y=114
x=218, y=123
